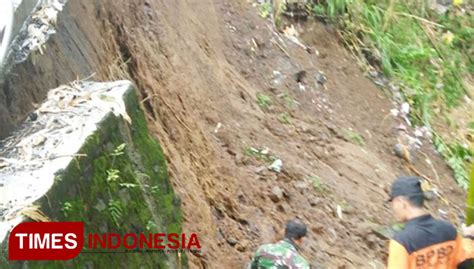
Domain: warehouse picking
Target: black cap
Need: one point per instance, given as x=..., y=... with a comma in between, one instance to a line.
x=406, y=186
x=295, y=229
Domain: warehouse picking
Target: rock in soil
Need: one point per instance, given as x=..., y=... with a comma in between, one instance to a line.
x=276, y=195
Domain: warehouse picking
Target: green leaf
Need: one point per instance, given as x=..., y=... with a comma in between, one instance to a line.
x=119, y=150
x=470, y=125
x=113, y=175
x=115, y=210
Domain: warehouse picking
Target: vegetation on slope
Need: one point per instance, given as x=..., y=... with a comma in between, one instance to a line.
x=428, y=54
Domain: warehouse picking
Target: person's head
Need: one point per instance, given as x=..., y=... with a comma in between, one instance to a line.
x=295, y=230
x=407, y=197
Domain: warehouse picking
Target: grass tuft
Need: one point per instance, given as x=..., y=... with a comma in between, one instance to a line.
x=284, y=118
x=263, y=101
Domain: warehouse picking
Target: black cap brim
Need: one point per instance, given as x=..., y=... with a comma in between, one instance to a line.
x=405, y=186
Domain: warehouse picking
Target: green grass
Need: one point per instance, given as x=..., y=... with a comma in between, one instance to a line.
x=332, y=8
x=355, y=137
x=470, y=125
x=318, y=185
x=265, y=10
x=260, y=155
x=428, y=54
x=67, y=207
x=264, y=101
x=284, y=118
x=288, y=100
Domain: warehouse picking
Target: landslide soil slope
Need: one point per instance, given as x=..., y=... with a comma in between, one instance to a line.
x=200, y=64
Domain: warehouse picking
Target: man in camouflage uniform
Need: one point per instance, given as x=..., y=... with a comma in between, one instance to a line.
x=283, y=254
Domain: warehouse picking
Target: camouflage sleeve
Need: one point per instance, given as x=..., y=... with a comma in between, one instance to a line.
x=299, y=262
x=254, y=263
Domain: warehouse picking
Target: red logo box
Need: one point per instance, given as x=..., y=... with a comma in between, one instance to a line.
x=46, y=241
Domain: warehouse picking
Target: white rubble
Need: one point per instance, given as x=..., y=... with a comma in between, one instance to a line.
x=50, y=139
x=6, y=26
x=37, y=30
x=276, y=165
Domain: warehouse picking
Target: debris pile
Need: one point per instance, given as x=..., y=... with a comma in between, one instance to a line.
x=37, y=30
x=410, y=138
x=50, y=139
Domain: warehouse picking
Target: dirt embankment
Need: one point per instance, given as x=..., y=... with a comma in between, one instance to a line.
x=200, y=66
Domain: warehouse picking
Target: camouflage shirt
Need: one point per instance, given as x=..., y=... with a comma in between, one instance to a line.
x=281, y=255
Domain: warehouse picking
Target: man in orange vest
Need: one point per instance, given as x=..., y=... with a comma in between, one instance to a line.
x=425, y=242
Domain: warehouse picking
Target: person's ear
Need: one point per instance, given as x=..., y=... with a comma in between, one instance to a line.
x=404, y=203
x=297, y=241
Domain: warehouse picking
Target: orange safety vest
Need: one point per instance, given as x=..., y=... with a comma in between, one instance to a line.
x=429, y=243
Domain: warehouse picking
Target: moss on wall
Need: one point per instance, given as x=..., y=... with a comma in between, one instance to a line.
x=121, y=187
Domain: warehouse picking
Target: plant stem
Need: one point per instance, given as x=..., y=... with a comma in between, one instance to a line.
x=470, y=200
